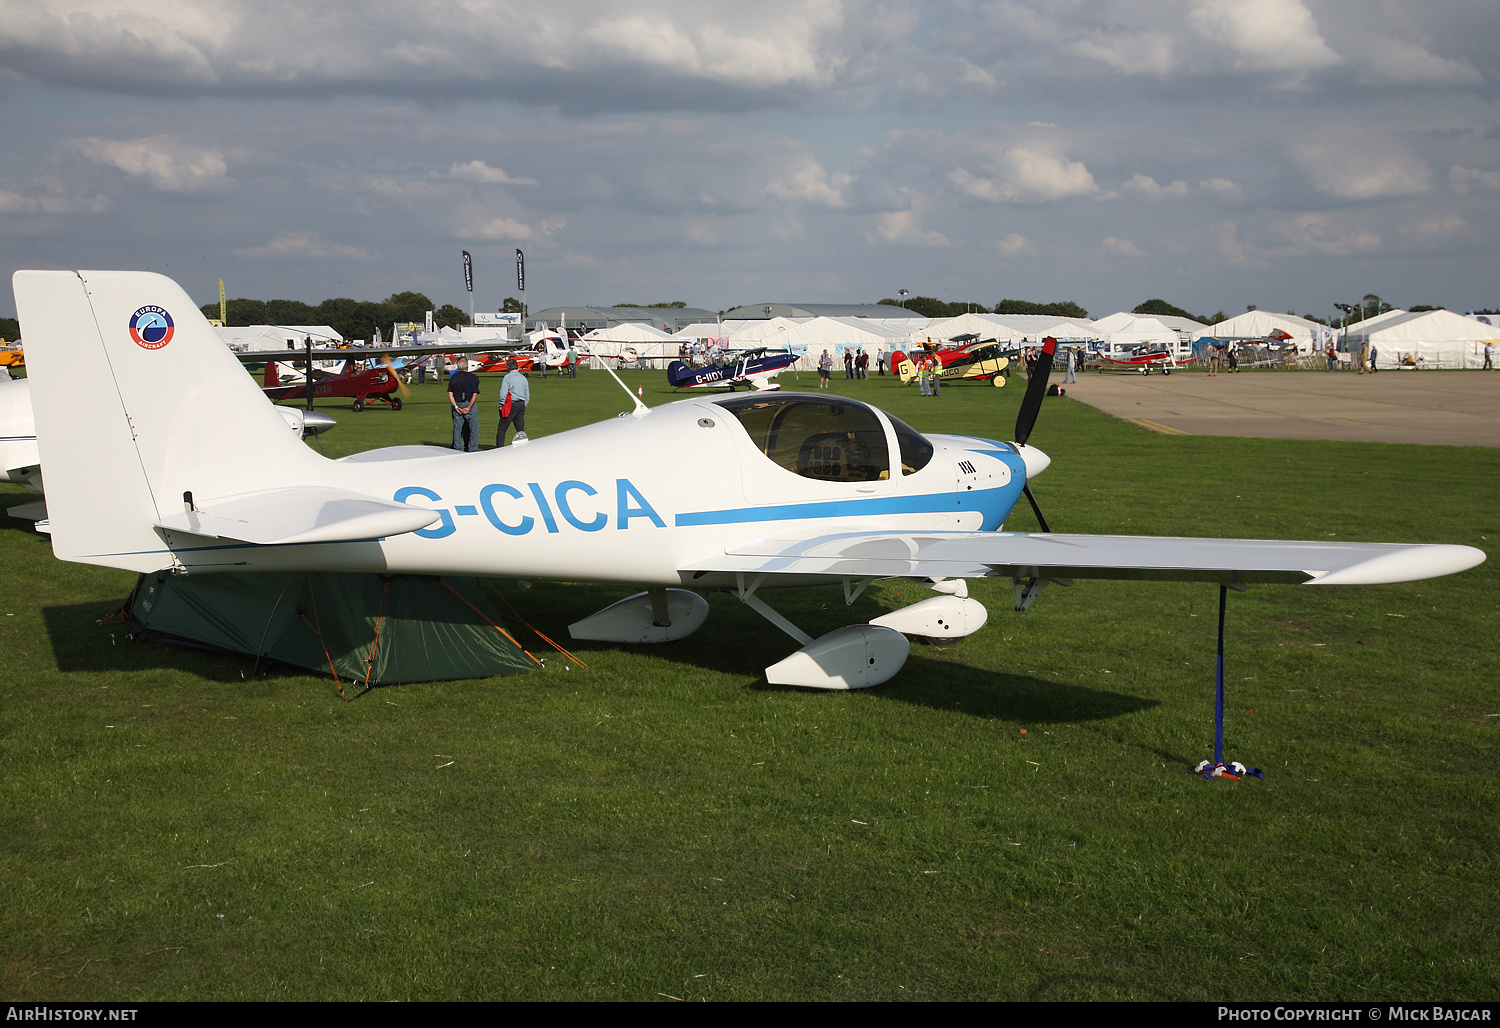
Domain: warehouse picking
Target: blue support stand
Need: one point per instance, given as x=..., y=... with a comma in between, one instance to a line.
x=1219, y=682
x=1217, y=769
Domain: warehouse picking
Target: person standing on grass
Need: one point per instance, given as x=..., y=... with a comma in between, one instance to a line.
x=1070, y=375
x=515, y=391
x=936, y=377
x=463, y=396
x=1488, y=364
x=825, y=367
x=848, y=363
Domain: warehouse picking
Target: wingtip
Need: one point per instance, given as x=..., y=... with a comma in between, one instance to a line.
x=1408, y=564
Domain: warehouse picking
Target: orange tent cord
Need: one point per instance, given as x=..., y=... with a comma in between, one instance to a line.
x=318, y=629
x=487, y=621
x=375, y=642
x=534, y=629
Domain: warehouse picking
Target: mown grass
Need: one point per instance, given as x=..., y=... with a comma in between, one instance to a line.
x=174, y=826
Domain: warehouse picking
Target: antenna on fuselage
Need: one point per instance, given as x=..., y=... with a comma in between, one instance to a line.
x=640, y=408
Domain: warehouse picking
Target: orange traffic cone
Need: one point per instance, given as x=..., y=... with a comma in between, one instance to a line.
x=640, y=391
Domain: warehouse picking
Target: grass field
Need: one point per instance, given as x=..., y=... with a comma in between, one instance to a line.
x=664, y=824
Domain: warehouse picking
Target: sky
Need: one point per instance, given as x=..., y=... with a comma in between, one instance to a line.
x=1289, y=154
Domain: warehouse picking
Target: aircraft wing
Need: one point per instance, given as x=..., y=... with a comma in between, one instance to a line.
x=303, y=514
x=320, y=353
x=1055, y=555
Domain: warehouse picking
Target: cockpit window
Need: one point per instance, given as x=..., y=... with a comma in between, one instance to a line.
x=828, y=440
x=916, y=451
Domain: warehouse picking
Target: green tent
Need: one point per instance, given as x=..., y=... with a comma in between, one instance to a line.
x=367, y=629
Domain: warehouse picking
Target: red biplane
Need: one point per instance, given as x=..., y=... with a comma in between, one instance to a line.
x=379, y=382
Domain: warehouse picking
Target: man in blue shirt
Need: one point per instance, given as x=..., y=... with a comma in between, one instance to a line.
x=463, y=396
x=518, y=390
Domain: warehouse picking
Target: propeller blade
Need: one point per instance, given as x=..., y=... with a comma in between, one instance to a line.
x=1036, y=389
x=391, y=367
x=1035, y=509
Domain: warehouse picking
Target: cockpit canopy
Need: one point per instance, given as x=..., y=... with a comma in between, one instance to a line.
x=829, y=439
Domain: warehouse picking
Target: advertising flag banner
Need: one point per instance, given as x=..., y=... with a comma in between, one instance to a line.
x=520, y=271
x=468, y=272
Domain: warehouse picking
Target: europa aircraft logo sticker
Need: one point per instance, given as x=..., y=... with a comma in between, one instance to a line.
x=151, y=328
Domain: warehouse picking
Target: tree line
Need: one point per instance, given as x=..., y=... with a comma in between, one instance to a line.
x=931, y=307
x=352, y=319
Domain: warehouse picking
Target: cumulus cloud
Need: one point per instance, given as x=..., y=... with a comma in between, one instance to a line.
x=1147, y=187
x=1012, y=244
x=904, y=228
x=1435, y=230
x=1462, y=178
x=508, y=228
x=1354, y=166
x=1383, y=60
x=1026, y=174
x=1116, y=247
x=1315, y=233
x=305, y=244
x=1221, y=188
x=1222, y=240
x=640, y=55
x=481, y=173
x=806, y=181
x=165, y=164
x=1265, y=35
x=47, y=195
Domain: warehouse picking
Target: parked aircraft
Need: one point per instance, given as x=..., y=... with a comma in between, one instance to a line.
x=982, y=360
x=753, y=368
x=760, y=491
x=1143, y=359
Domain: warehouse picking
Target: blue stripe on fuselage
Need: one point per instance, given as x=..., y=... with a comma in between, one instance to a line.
x=994, y=504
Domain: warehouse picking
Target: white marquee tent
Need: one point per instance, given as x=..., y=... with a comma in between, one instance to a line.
x=836, y=335
x=1431, y=339
x=1306, y=334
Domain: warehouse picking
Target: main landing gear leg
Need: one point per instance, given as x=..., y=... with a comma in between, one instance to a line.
x=1217, y=769
x=855, y=657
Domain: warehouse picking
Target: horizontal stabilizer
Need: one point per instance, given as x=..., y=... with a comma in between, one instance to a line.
x=1055, y=555
x=309, y=514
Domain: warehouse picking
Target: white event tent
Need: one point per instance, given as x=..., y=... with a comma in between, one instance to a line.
x=646, y=340
x=1127, y=333
x=1431, y=339
x=1308, y=335
x=836, y=335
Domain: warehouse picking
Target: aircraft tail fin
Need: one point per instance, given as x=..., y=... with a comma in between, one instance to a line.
x=273, y=375
x=677, y=374
x=139, y=403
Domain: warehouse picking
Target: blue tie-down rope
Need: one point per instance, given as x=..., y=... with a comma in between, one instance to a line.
x=1235, y=770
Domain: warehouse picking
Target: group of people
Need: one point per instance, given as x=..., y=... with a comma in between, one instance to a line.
x=929, y=374
x=855, y=367
x=1368, y=355
x=1220, y=353
x=463, y=397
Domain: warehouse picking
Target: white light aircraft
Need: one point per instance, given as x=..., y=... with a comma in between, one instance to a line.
x=736, y=493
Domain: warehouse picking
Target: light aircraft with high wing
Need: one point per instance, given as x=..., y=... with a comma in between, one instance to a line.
x=742, y=494
x=1143, y=358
